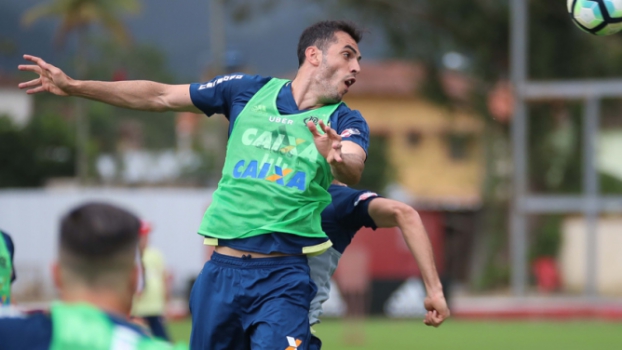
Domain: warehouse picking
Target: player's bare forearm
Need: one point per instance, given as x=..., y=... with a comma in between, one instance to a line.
x=419, y=244
x=135, y=94
x=349, y=170
x=391, y=213
x=132, y=94
x=352, y=162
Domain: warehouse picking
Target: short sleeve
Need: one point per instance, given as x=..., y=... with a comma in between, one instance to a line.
x=361, y=208
x=218, y=94
x=351, y=125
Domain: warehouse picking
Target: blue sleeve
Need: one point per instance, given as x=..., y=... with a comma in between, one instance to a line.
x=219, y=94
x=11, y=249
x=351, y=125
x=351, y=206
x=19, y=331
x=361, y=208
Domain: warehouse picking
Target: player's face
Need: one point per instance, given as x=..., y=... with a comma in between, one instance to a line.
x=339, y=67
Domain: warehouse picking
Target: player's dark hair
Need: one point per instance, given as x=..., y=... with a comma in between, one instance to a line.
x=322, y=33
x=96, y=238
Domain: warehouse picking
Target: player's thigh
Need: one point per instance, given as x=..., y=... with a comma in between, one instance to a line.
x=282, y=327
x=215, y=311
x=281, y=319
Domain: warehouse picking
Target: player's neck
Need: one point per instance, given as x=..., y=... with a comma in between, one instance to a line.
x=107, y=301
x=305, y=91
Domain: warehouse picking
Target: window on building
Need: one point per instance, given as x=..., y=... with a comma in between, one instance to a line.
x=459, y=146
x=413, y=138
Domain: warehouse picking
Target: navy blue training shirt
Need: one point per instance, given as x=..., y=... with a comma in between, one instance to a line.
x=229, y=95
x=346, y=214
x=20, y=331
x=11, y=248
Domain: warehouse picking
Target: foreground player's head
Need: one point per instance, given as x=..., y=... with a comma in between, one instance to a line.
x=329, y=52
x=96, y=257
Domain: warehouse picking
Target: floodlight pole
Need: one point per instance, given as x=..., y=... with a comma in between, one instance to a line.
x=217, y=35
x=518, y=236
x=591, y=124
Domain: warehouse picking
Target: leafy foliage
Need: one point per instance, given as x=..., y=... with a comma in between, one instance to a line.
x=76, y=15
x=40, y=151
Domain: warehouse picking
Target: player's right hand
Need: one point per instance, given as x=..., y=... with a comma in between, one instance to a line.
x=437, y=310
x=328, y=144
x=51, y=78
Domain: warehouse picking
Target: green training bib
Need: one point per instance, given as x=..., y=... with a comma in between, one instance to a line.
x=6, y=271
x=82, y=327
x=274, y=179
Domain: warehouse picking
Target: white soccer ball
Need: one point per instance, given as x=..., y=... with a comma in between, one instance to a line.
x=598, y=17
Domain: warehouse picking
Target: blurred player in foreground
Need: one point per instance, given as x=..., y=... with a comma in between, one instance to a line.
x=349, y=211
x=150, y=303
x=7, y=271
x=96, y=277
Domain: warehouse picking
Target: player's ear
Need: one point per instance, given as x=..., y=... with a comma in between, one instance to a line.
x=313, y=55
x=134, y=279
x=57, y=275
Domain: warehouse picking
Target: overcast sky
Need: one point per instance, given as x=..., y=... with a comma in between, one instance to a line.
x=180, y=28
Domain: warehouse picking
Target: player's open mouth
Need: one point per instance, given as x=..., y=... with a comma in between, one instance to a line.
x=350, y=82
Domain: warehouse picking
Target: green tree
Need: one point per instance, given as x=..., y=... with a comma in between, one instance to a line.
x=36, y=153
x=78, y=16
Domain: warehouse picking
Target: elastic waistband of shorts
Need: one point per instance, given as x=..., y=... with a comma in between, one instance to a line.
x=231, y=261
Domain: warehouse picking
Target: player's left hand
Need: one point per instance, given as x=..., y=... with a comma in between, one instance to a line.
x=437, y=310
x=328, y=144
x=51, y=78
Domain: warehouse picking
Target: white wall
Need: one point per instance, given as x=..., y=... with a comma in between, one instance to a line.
x=16, y=104
x=573, y=255
x=32, y=218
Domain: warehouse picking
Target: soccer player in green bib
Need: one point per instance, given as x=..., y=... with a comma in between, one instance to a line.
x=287, y=141
x=96, y=277
x=7, y=271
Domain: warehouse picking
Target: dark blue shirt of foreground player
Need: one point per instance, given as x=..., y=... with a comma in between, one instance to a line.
x=20, y=331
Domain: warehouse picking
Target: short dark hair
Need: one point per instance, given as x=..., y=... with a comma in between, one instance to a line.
x=96, y=237
x=322, y=33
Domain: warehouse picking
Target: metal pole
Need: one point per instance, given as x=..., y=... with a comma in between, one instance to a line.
x=518, y=236
x=82, y=117
x=217, y=35
x=591, y=124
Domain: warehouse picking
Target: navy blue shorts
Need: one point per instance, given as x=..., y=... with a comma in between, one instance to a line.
x=246, y=303
x=315, y=343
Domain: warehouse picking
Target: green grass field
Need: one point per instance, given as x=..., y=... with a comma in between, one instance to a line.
x=381, y=334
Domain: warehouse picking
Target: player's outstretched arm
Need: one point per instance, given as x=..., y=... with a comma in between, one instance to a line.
x=346, y=159
x=133, y=94
x=391, y=213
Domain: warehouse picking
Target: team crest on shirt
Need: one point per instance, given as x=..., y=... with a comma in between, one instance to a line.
x=313, y=119
x=365, y=196
x=350, y=132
